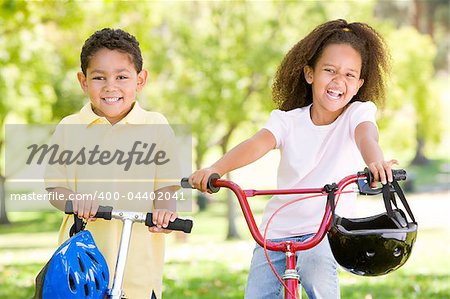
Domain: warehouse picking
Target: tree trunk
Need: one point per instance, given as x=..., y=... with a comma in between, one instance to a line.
x=420, y=158
x=232, y=233
x=3, y=215
x=418, y=15
x=231, y=200
x=431, y=8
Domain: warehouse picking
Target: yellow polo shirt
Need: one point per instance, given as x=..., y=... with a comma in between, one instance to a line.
x=127, y=187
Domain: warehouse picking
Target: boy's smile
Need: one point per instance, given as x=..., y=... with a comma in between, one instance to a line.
x=335, y=79
x=112, y=82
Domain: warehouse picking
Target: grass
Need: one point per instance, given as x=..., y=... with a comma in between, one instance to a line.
x=31, y=222
x=205, y=266
x=434, y=175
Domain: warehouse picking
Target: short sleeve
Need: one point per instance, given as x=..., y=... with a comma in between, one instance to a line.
x=168, y=174
x=55, y=173
x=362, y=112
x=277, y=124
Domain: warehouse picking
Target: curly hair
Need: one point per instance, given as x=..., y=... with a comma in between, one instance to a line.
x=290, y=89
x=113, y=39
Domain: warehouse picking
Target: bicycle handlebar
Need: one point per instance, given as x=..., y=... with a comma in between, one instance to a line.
x=364, y=185
x=107, y=213
x=363, y=179
x=364, y=188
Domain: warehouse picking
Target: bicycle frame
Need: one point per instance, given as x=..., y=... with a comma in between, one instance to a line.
x=290, y=276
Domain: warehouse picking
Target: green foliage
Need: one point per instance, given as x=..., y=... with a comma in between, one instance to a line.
x=413, y=107
x=211, y=63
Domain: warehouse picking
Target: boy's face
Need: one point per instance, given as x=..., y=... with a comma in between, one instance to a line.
x=111, y=82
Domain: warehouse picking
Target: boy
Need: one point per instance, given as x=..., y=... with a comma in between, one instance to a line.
x=111, y=76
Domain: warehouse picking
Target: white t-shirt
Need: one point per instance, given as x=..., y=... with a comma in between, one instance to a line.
x=311, y=157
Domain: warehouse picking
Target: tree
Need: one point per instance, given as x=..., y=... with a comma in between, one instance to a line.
x=412, y=108
x=430, y=18
x=27, y=95
x=222, y=69
x=38, y=75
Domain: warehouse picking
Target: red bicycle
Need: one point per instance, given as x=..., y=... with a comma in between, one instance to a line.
x=290, y=278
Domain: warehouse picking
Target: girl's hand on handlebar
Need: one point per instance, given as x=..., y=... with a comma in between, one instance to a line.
x=85, y=206
x=161, y=219
x=199, y=179
x=382, y=171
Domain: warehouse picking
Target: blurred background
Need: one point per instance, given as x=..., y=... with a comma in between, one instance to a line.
x=211, y=66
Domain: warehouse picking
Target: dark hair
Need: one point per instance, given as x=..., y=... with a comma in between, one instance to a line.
x=113, y=39
x=290, y=89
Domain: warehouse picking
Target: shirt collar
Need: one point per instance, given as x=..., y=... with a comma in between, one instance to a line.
x=135, y=116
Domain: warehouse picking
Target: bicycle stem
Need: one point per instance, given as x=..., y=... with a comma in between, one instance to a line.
x=290, y=276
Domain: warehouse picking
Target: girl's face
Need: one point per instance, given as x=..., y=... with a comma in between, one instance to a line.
x=335, y=79
x=112, y=82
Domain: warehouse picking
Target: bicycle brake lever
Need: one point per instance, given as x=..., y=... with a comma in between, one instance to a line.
x=364, y=187
x=365, y=178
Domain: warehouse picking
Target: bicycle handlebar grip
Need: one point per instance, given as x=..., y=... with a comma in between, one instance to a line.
x=103, y=212
x=185, y=183
x=184, y=225
x=399, y=174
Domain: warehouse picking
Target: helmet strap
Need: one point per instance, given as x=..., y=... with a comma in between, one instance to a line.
x=389, y=196
x=78, y=226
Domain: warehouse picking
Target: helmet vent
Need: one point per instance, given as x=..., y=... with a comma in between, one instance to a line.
x=397, y=252
x=92, y=257
x=86, y=290
x=72, y=285
x=97, y=285
x=82, y=268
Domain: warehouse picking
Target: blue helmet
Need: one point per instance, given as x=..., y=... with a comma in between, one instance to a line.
x=76, y=270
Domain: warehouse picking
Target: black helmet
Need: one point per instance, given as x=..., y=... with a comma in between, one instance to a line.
x=374, y=245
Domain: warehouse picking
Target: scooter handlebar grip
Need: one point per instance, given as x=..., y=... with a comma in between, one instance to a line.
x=103, y=212
x=184, y=225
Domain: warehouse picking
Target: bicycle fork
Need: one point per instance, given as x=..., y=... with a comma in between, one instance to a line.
x=290, y=276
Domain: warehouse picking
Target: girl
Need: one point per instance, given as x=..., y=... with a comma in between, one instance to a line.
x=325, y=129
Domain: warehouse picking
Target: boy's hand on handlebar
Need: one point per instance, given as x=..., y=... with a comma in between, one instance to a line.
x=161, y=219
x=199, y=179
x=382, y=171
x=85, y=207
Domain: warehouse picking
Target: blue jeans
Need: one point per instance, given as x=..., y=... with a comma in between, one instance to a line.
x=317, y=269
